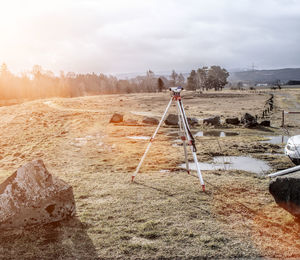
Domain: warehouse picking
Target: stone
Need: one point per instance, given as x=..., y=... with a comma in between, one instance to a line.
x=150, y=121
x=215, y=121
x=232, y=121
x=286, y=192
x=266, y=123
x=116, y=118
x=248, y=120
x=33, y=196
x=192, y=121
x=172, y=119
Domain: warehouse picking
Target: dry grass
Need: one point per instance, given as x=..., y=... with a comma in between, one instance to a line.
x=161, y=214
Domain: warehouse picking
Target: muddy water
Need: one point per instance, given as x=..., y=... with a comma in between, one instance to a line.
x=242, y=163
x=216, y=133
x=279, y=139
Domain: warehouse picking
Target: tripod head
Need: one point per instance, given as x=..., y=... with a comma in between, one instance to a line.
x=176, y=89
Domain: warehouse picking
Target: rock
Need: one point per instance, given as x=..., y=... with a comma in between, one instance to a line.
x=212, y=121
x=192, y=121
x=265, y=123
x=286, y=192
x=150, y=121
x=249, y=120
x=116, y=118
x=232, y=121
x=32, y=195
x=172, y=119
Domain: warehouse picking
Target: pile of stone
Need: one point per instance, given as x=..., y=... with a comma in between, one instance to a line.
x=32, y=196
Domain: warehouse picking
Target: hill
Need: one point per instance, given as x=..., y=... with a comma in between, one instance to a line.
x=266, y=76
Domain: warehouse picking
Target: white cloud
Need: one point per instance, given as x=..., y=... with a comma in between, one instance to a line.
x=131, y=35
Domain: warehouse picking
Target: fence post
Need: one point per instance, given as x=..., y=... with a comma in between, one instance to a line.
x=282, y=119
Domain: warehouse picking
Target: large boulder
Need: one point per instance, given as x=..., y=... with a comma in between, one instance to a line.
x=215, y=121
x=286, y=192
x=32, y=195
x=116, y=118
x=232, y=121
x=150, y=121
x=172, y=119
x=249, y=120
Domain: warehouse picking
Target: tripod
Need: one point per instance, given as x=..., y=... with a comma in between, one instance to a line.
x=185, y=132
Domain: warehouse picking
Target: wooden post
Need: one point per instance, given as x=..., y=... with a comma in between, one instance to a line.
x=282, y=119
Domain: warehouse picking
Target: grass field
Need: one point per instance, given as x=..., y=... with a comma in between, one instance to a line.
x=163, y=214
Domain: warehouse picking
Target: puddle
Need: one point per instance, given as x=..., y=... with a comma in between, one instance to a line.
x=216, y=133
x=275, y=154
x=242, y=163
x=139, y=137
x=279, y=139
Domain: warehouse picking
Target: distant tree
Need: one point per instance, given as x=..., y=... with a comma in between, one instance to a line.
x=217, y=77
x=160, y=85
x=278, y=83
x=150, y=81
x=201, y=78
x=4, y=70
x=174, y=77
x=240, y=85
x=192, y=81
x=207, y=78
x=180, y=79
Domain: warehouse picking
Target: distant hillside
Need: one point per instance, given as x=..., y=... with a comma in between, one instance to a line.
x=266, y=76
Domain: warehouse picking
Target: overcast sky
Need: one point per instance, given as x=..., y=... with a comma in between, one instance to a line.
x=115, y=36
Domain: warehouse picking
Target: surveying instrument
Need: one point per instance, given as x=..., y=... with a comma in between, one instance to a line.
x=184, y=131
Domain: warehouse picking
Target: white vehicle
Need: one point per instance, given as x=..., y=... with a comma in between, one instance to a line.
x=292, y=149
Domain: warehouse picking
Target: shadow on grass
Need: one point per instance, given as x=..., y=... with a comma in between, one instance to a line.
x=179, y=196
x=66, y=239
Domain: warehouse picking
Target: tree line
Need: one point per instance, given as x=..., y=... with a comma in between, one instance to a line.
x=40, y=83
x=206, y=78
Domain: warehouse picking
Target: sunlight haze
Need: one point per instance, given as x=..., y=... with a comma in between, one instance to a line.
x=132, y=36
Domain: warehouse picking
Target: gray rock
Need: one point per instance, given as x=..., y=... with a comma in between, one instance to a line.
x=150, y=121
x=172, y=119
x=215, y=121
x=116, y=118
x=286, y=192
x=265, y=123
x=232, y=121
x=249, y=120
x=32, y=195
x=192, y=121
